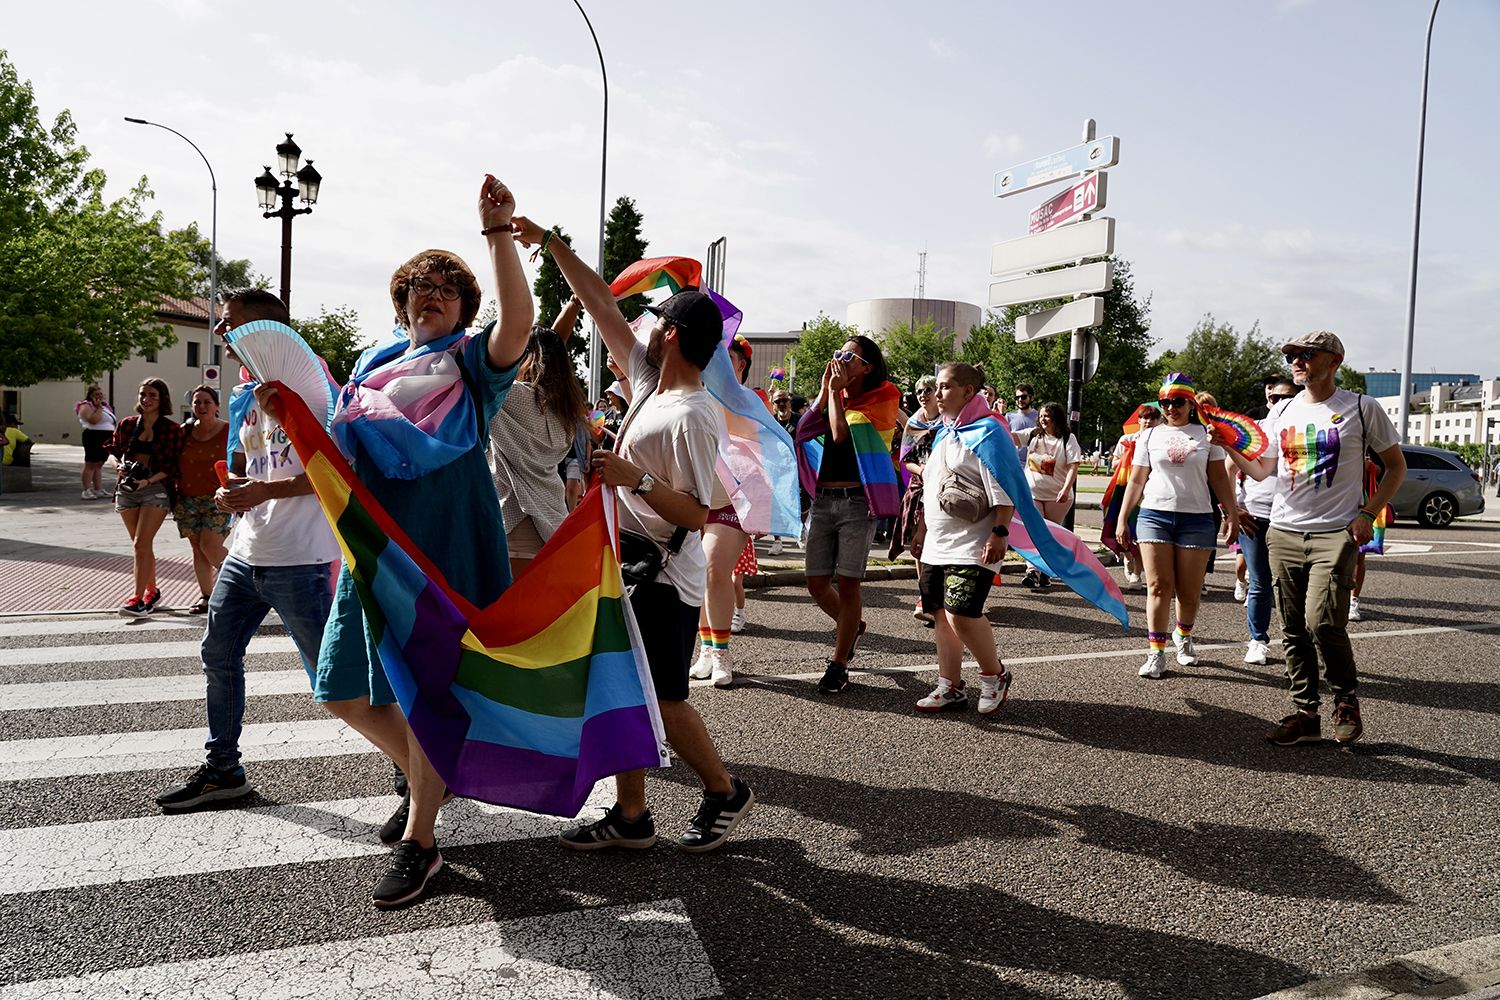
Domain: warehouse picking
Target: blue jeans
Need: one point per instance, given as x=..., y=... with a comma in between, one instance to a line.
x=1258, y=580
x=243, y=596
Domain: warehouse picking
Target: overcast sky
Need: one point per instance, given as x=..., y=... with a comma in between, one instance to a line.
x=1267, y=146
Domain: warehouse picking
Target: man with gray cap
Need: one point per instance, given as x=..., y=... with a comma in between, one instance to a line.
x=1319, y=519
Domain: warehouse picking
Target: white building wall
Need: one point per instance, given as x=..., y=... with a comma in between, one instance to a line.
x=1437, y=417
x=874, y=316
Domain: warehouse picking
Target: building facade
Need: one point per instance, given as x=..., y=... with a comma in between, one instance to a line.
x=1381, y=384
x=1465, y=413
x=874, y=317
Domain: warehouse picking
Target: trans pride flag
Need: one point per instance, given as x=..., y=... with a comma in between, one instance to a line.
x=527, y=702
x=872, y=423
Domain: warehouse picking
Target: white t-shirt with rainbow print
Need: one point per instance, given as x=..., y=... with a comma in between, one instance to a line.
x=1320, y=458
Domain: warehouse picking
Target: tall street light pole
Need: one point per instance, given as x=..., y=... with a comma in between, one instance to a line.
x=595, y=351
x=270, y=191
x=213, y=240
x=1416, y=233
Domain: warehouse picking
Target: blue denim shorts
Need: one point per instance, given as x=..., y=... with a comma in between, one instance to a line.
x=1186, y=531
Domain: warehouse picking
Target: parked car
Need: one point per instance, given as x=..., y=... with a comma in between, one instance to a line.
x=1439, y=486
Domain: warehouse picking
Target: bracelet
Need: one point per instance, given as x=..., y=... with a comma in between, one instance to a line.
x=1365, y=513
x=505, y=228
x=546, y=239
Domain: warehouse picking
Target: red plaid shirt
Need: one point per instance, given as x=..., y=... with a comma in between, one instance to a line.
x=166, y=448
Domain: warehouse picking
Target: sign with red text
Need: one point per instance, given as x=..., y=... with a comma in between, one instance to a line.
x=1081, y=199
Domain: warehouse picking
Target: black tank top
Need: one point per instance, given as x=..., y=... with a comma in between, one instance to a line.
x=839, y=464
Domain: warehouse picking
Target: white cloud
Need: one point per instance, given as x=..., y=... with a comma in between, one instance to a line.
x=941, y=49
x=1009, y=144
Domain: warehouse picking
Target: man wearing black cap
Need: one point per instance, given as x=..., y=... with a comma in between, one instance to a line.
x=663, y=468
x=1319, y=438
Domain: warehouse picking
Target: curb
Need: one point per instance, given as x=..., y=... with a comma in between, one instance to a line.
x=1464, y=970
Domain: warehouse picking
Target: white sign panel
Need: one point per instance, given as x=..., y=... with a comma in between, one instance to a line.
x=1078, y=315
x=1084, y=280
x=1094, y=155
x=1063, y=245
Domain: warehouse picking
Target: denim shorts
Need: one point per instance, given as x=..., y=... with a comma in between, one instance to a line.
x=839, y=532
x=1186, y=531
x=153, y=495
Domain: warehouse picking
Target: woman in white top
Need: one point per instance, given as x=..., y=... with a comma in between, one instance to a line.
x=531, y=434
x=1052, y=459
x=1177, y=473
x=98, y=423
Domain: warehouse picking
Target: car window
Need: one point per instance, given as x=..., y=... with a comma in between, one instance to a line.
x=1422, y=460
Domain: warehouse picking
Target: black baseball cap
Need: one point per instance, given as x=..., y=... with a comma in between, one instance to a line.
x=691, y=310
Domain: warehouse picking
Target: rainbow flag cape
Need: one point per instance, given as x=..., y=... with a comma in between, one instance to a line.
x=1376, y=544
x=1051, y=548
x=527, y=702
x=757, y=463
x=872, y=424
x=1114, y=491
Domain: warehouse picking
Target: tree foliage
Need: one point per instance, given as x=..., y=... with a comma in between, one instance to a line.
x=234, y=275
x=623, y=246
x=83, y=276
x=812, y=352
x=913, y=351
x=1351, y=378
x=1125, y=377
x=551, y=290
x=1230, y=366
x=334, y=335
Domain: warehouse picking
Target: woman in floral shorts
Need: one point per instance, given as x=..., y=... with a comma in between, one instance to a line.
x=202, y=523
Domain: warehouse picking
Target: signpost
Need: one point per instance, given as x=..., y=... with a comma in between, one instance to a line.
x=1076, y=315
x=1077, y=202
x=1082, y=280
x=1063, y=245
x=1093, y=154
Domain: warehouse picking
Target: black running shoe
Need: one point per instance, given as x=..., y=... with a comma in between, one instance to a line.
x=613, y=830
x=208, y=784
x=717, y=818
x=150, y=599
x=405, y=880
x=835, y=678
x=394, y=828
x=398, y=778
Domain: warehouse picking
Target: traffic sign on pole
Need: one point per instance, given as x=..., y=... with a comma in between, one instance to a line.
x=1095, y=238
x=1075, y=315
x=1096, y=154
x=1060, y=284
x=1083, y=198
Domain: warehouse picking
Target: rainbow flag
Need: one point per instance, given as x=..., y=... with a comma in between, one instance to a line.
x=872, y=424
x=671, y=273
x=1376, y=544
x=527, y=702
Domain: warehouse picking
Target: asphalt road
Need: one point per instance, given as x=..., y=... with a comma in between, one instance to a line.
x=1103, y=836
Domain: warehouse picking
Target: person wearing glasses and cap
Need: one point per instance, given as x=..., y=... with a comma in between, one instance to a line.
x=1319, y=519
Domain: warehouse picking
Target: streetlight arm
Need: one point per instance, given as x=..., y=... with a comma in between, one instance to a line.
x=594, y=344
x=1416, y=233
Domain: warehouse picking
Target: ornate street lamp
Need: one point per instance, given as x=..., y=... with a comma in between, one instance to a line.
x=270, y=191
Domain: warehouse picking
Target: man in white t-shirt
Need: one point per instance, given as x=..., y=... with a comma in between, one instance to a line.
x=1319, y=438
x=280, y=556
x=663, y=471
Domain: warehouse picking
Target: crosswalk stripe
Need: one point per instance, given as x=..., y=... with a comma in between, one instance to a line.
x=139, y=690
x=639, y=950
x=112, y=753
x=107, y=626
x=178, y=649
x=106, y=852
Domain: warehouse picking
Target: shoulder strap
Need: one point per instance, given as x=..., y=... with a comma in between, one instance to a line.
x=1364, y=438
x=473, y=389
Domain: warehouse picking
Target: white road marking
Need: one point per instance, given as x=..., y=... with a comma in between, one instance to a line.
x=179, y=649
x=109, y=626
x=110, y=753
x=106, y=852
x=140, y=690
x=640, y=950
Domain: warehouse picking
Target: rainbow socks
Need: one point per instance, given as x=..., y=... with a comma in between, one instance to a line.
x=1157, y=641
x=1183, y=630
x=713, y=638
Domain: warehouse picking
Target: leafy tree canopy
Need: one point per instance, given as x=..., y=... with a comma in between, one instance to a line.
x=334, y=335
x=1230, y=366
x=234, y=275
x=623, y=246
x=812, y=352
x=1351, y=378
x=913, y=351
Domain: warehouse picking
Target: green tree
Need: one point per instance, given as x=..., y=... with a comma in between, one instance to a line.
x=812, y=352
x=1351, y=378
x=551, y=290
x=1125, y=376
x=234, y=275
x=623, y=246
x=334, y=335
x=1226, y=364
x=83, y=276
x=912, y=351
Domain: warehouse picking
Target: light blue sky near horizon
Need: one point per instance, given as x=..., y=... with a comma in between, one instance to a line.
x=1266, y=171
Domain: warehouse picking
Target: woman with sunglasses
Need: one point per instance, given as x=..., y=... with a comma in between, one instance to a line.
x=1177, y=473
x=1052, y=459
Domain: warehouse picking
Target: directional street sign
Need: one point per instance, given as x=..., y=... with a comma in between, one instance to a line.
x=1076, y=315
x=1083, y=198
x=1093, y=155
x=1061, y=284
x=1064, y=245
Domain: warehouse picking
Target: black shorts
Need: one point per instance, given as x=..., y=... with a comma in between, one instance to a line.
x=963, y=590
x=93, y=445
x=669, y=633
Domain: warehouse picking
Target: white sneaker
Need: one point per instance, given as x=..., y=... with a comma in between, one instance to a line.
x=704, y=668
x=719, y=665
x=737, y=623
x=1185, y=655
x=1155, y=666
x=1240, y=592
x=1256, y=652
x=90, y=495
x=1354, y=609
x=1132, y=578
x=993, y=689
x=776, y=547
x=944, y=697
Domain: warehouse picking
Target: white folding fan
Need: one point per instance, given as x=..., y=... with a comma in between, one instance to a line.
x=274, y=352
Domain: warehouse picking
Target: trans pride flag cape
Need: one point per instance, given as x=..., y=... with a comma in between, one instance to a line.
x=527, y=702
x=757, y=464
x=1051, y=548
x=872, y=423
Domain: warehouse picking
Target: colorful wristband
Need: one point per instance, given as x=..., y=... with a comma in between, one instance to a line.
x=1365, y=513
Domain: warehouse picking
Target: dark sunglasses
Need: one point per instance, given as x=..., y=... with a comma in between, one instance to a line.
x=1275, y=398
x=1171, y=404
x=848, y=356
x=1305, y=355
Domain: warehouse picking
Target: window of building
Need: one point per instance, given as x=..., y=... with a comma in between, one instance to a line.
x=214, y=355
x=12, y=402
x=193, y=349
x=150, y=356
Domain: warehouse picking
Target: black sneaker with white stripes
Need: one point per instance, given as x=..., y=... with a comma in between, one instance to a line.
x=717, y=818
x=613, y=830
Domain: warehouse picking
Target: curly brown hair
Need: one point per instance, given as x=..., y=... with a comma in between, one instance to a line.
x=446, y=263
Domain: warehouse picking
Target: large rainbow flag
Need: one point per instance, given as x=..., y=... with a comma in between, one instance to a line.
x=872, y=424
x=527, y=702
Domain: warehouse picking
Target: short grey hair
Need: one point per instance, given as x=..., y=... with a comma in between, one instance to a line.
x=926, y=382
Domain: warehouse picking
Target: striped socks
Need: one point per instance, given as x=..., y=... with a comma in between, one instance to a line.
x=713, y=638
x=1157, y=641
x=1183, y=630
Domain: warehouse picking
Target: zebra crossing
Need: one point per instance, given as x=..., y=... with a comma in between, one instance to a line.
x=121, y=852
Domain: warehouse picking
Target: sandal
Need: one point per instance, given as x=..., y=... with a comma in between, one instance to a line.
x=201, y=607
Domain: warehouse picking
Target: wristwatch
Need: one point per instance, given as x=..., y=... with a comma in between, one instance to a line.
x=1000, y=530
x=647, y=483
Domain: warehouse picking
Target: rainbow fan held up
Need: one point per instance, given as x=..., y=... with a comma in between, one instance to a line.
x=1237, y=431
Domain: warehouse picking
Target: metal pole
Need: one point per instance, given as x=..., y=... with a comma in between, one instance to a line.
x=286, y=213
x=1076, y=348
x=1416, y=233
x=596, y=353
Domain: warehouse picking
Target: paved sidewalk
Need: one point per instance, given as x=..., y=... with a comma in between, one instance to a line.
x=1467, y=970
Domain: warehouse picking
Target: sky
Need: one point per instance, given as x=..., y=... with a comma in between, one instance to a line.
x=1266, y=175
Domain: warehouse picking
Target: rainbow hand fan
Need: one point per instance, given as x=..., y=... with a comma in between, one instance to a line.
x=274, y=352
x=1237, y=431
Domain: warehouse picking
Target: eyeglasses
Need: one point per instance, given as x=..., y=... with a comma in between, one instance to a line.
x=448, y=293
x=1022, y=395
x=925, y=392
x=847, y=356
x=1277, y=398
x=1305, y=355
x=1171, y=404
